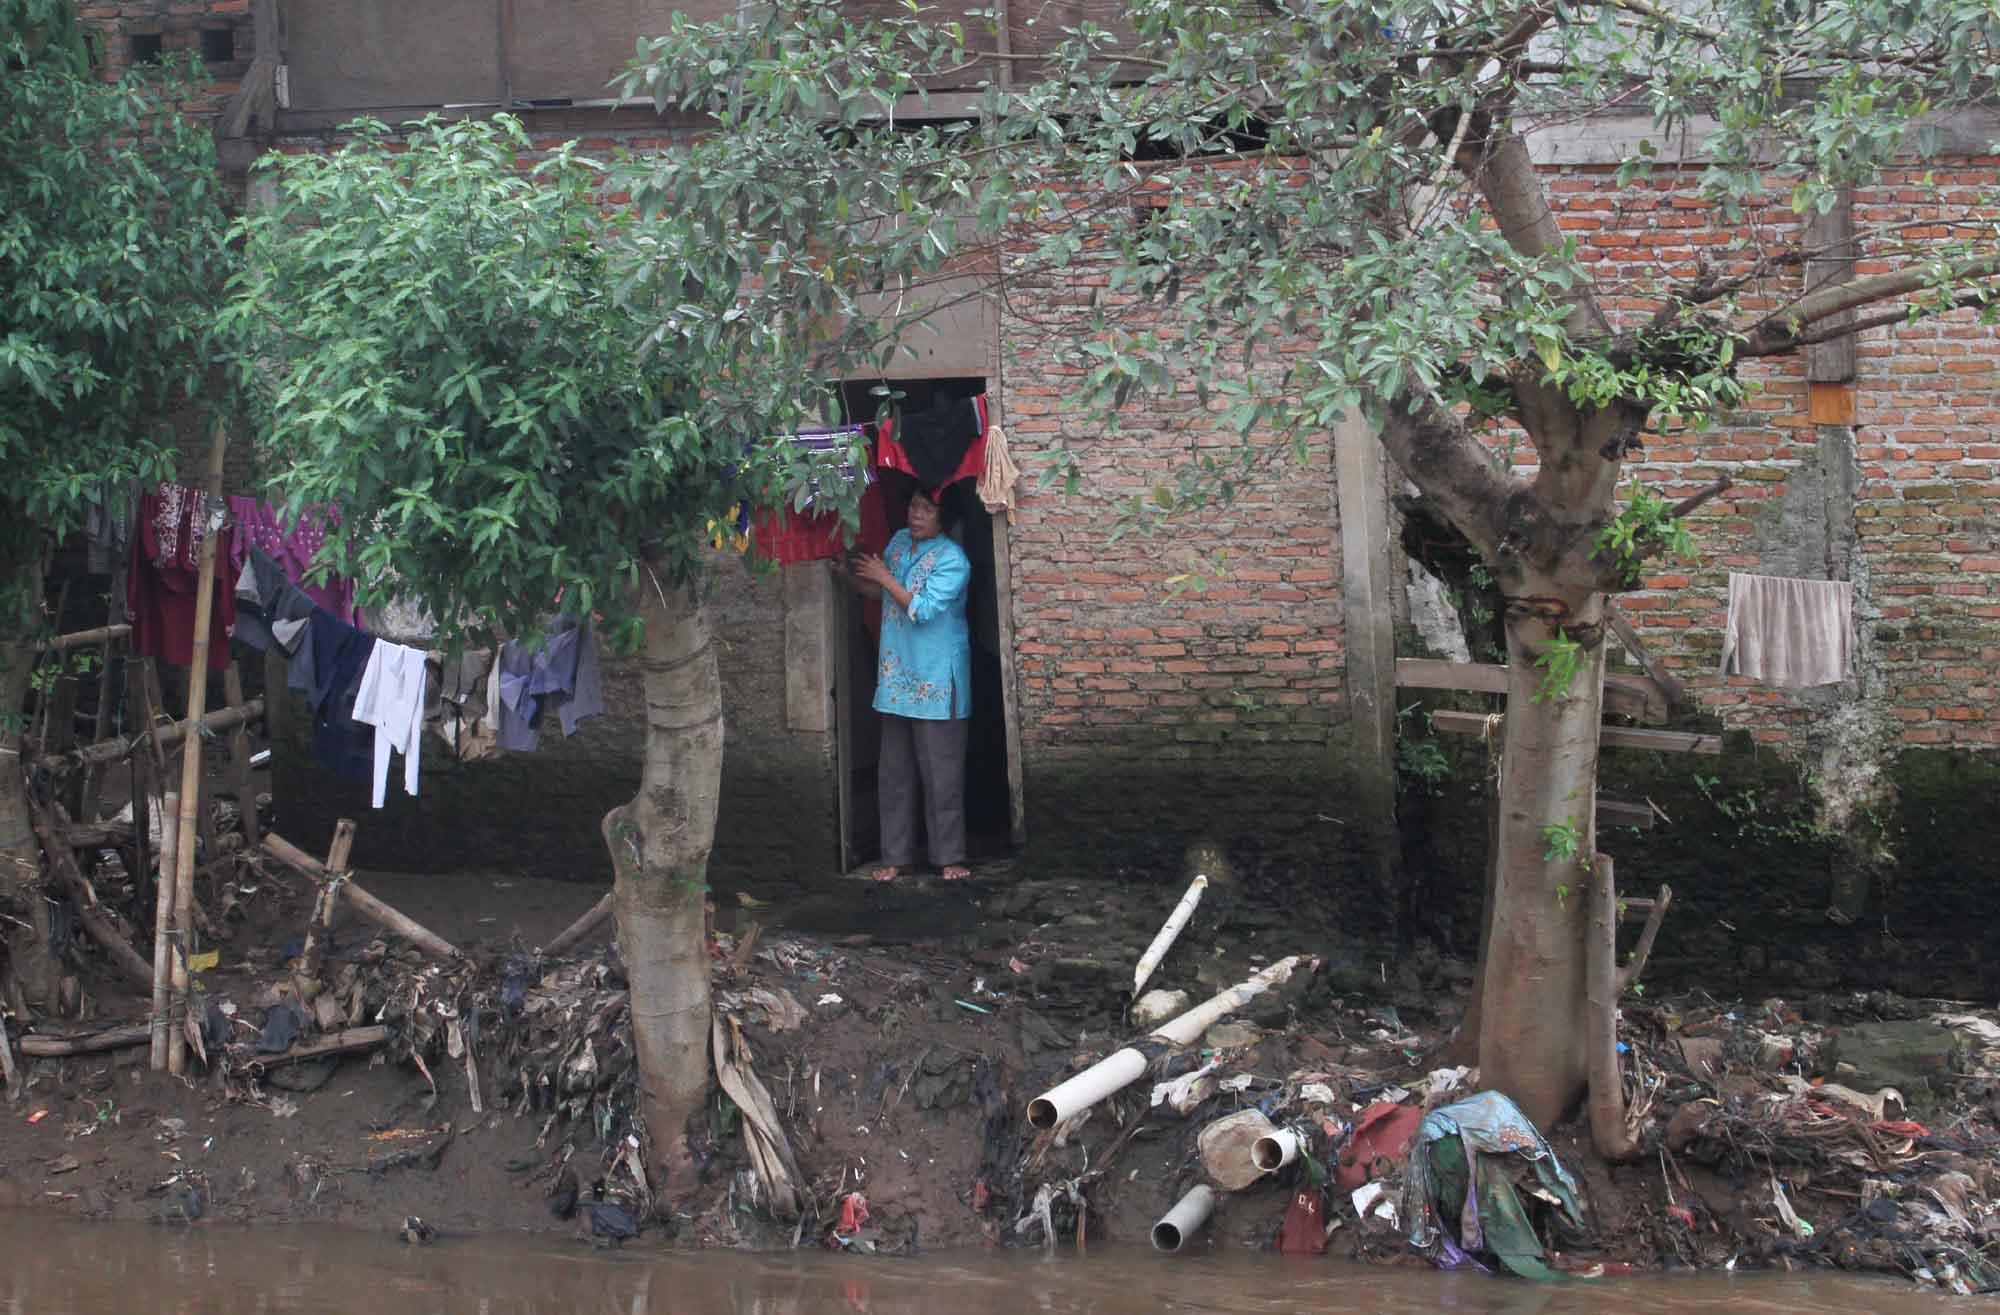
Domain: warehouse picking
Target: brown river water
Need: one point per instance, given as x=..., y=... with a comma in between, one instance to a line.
x=49, y=1267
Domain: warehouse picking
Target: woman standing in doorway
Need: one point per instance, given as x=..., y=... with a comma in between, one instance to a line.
x=923, y=689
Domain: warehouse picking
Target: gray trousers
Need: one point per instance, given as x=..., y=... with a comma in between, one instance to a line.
x=930, y=753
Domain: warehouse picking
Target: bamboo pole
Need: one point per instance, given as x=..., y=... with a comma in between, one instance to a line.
x=571, y=936
x=319, y=927
x=367, y=905
x=197, y=704
x=81, y=638
x=163, y=935
x=166, y=737
x=116, y=1038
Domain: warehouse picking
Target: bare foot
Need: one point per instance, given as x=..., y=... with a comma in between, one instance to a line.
x=886, y=874
x=955, y=872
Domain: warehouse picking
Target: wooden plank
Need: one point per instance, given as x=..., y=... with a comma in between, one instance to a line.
x=1609, y=737
x=1623, y=812
x=1368, y=748
x=1628, y=696
x=1830, y=236
x=1830, y=403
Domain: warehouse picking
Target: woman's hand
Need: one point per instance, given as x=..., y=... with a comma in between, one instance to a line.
x=873, y=570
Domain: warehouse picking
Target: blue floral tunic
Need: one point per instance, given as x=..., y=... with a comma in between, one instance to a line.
x=926, y=667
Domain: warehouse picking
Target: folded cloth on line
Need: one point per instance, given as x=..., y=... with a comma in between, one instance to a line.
x=1788, y=633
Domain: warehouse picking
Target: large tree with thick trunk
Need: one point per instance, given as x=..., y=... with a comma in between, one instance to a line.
x=435, y=339
x=111, y=266
x=1296, y=210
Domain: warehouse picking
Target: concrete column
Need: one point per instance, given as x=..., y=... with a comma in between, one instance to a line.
x=809, y=653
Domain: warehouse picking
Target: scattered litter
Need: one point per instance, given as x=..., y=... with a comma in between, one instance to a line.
x=1374, y=1201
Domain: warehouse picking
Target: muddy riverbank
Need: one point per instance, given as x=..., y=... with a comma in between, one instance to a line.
x=900, y=1033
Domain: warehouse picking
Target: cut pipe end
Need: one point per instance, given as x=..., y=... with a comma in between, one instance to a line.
x=1042, y=1112
x=1267, y=1154
x=1167, y=1237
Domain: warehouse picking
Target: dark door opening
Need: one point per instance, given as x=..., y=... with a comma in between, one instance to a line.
x=989, y=805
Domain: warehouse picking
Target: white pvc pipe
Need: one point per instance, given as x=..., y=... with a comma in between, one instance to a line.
x=1187, y=1029
x=1087, y=1088
x=1275, y=1151
x=1127, y=1066
x=1169, y=933
x=1185, y=1219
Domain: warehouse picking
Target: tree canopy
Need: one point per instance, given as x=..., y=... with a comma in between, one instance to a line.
x=1346, y=182
x=436, y=334
x=112, y=261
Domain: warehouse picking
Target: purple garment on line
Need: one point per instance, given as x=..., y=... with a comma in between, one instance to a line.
x=292, y=547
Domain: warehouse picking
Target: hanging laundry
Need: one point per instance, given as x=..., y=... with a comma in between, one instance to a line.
x=107, y=527
x=801, y=530
x=327, y=670
x=391, y=699
x=270, y=608
x=294, y=546
x=462, y=720
x=999, y=475
x=940, y=445
x=160, y=581
x=565, y=675
x=1789, y=633
x=515, y=707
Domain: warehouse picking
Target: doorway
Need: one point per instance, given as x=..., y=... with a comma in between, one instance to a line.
x=992, y=801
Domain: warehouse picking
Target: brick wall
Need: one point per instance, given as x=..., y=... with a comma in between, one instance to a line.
x=1912, y=515
x=1152, y=719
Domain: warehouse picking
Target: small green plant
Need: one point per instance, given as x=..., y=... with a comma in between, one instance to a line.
x=1560, y=662
x=1562, y=842
x=1420, y=762
x=1644, y=525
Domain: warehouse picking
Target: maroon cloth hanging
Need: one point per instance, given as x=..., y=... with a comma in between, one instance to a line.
x=165, y=567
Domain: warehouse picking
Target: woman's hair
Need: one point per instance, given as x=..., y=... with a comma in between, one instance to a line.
x=950, y=504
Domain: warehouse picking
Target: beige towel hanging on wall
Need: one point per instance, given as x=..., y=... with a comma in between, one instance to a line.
x=1789, y=633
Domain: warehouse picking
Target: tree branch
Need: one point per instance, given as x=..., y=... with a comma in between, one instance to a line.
x=1783, y=330
x=1450, y=468
x=1686, y=505
x=1901, y=315
x=1644, y=949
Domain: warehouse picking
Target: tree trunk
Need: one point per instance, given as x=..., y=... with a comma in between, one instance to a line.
x=33, y=967
x=1532, y=1024
x=659, y=846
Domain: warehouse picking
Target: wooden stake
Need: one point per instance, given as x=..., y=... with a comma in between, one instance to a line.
x=239, y=762
x=163, y=936
x=93, y=776
x=319, y=927
x=1609, y=1130
x=197, y=704
x=367, y=905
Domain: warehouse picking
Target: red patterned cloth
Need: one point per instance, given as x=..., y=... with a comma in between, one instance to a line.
x=160, y=586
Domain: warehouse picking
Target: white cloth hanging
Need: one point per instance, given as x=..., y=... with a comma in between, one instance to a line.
x=391, y=699
x=1789, y=633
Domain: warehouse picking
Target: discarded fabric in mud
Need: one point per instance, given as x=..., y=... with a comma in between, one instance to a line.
x=1460, y=1184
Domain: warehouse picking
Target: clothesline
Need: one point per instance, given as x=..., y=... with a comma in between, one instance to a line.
x=366, y=695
